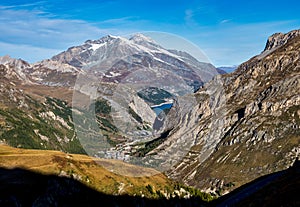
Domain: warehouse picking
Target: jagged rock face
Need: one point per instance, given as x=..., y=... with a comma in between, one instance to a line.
x=142, y=109
x=46, y=72
x=247, y=128
x=13, y=69
x=279, y=39
x=53, y=74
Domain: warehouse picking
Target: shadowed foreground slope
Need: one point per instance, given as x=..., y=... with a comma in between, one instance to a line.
x=277, y=189
x=20, y=187
x=52, y=178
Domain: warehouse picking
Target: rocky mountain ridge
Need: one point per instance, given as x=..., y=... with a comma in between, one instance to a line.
x=247, y=128
x=117, y=59
x=279, y=39
x=14, y=69
x=136, y=60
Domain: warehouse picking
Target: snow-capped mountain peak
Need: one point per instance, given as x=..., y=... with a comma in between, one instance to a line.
x=137, y=38
x=124, y=56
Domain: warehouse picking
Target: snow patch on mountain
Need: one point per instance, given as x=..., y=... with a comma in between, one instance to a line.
x=95, y=47
x=112, y=74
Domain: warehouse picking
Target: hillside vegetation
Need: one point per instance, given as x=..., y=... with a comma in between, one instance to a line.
x=116, y=178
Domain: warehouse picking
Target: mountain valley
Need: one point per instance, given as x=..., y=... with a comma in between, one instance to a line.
x=126, y=116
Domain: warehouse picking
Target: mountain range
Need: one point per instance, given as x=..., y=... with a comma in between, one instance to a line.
x=214, y=132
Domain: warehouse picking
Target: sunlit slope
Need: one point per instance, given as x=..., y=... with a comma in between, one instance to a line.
x=87, y=170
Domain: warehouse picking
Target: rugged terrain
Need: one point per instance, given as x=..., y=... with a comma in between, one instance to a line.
x=247, y=128
x=31, y=115
x=43, y=177
x=276, y=189
x=220, y=132
x=114, y=79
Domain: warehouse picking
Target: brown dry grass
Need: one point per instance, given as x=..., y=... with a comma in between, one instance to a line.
x=41, y=91
x=86, y=169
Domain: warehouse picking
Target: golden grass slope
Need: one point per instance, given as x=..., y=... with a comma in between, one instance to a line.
x=87, y=170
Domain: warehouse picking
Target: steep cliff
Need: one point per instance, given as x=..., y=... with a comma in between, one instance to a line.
x=245, y=124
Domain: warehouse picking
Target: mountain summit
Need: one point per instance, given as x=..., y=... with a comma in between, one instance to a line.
x=113, y=58
x=279, y=39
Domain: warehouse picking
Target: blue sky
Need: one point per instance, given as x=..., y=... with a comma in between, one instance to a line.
x=228, y=32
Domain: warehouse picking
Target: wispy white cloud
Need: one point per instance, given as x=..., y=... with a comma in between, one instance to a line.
x=22, y=6
x=123, y=20
x=29, y=27
x=200, y=16
x=32, y=33
x=30, y=30
x=225, y=21
x=26, y=52
x=123, y=26
x=189, y=14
